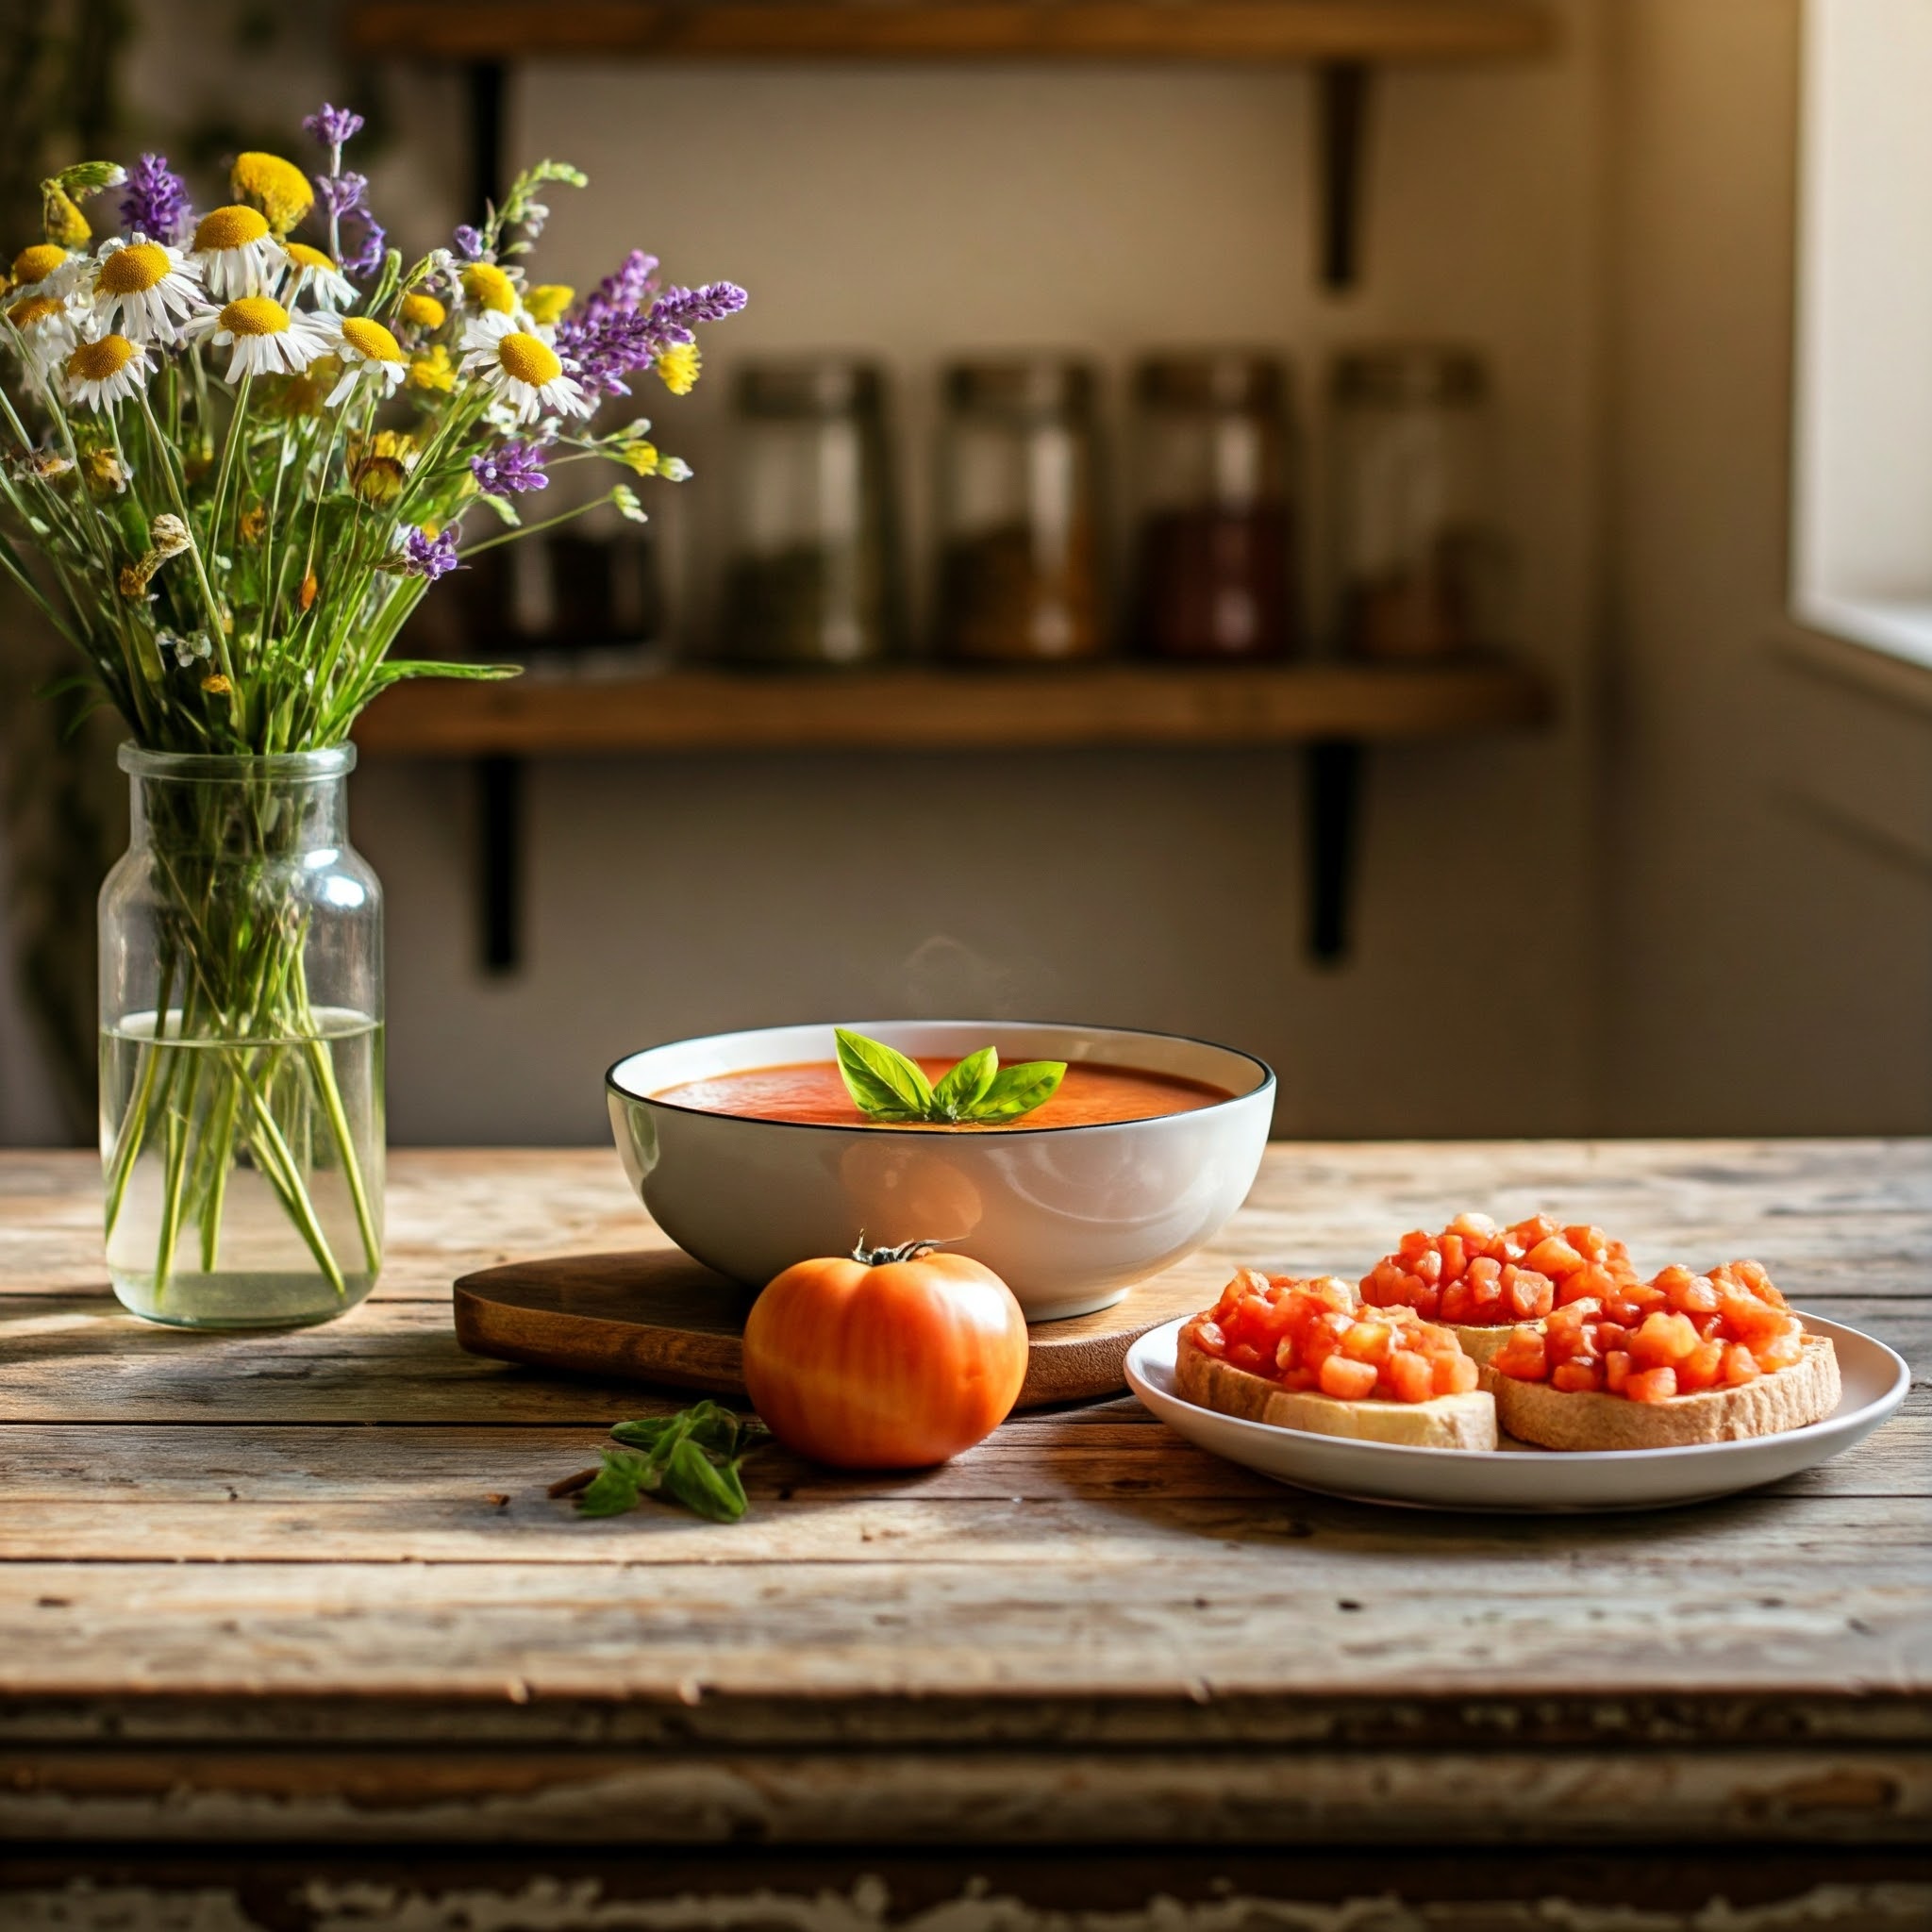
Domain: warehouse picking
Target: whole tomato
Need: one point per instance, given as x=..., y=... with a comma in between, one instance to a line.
x=887, y=1358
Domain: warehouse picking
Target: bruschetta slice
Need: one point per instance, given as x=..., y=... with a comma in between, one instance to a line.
x=1481, y=1281
x=1682, y=1359
x=1305, y=1355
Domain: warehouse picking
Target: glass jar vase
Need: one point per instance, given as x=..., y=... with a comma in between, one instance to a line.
x=241, y=1047
x=811, y=579
x=1020, y=561
x=1216, y=577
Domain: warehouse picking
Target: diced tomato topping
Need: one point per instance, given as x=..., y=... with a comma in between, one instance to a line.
x=1313, y=1335
x=1675, y=1335
x=1479, y=1276
x=1347, y=1380
x=1664, y=1338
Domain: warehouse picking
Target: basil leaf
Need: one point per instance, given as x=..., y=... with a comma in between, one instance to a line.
x=702, y=1485
x=618, y=1484
x=1019, y=1089
x=646, y=1434
x=955, y=1096
x=881, y=1080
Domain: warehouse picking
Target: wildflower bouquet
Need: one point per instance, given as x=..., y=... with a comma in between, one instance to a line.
x=232, y=460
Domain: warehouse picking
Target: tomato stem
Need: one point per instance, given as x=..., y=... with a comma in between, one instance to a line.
x=877, y=1257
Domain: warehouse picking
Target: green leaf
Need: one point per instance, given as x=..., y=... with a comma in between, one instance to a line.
x=705, y=1488
x=883, y=1083
x=692, y=1457
x=502, y=506
x=618, y=1484
x=1019, y=1089
x=965, y=1086
x=397, y=668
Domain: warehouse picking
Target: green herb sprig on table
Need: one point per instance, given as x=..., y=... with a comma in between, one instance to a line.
x=693, y=1458
x=886, y=1086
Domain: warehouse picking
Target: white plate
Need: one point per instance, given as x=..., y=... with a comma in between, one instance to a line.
x=1519, y=1477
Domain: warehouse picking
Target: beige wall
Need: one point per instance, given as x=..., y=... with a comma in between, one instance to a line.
x=1764, y=817
x=1732, y=931
x=915, y=211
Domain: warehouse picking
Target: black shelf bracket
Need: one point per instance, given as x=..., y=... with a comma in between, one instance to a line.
x=1342, y=129
x=1334, y=798
x=499, y=779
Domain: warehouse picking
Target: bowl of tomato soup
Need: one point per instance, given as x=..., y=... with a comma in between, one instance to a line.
x=750, y=1155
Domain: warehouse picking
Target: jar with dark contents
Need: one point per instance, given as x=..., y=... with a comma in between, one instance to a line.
x=810, y=577
x=1213, y=457
x=1418, y=557
x=1019, y=520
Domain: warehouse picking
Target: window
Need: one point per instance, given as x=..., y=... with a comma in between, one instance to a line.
x=1861, y=550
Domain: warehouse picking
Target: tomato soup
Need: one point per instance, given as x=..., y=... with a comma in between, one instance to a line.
x=814, y=1094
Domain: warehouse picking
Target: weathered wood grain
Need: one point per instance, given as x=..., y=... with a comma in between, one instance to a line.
x=310, y=1585
x=80, y=1358
x=1047, y=1797
x=1246, y=1623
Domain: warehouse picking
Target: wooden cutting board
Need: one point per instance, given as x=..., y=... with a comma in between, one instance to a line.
x=656, y=1315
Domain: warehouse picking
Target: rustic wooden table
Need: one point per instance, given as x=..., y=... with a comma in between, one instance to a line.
x=305, y=1592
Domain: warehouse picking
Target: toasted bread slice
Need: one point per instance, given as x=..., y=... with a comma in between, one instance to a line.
x=1808, y=1391
x=1444, y=1422
x=1480, y=1344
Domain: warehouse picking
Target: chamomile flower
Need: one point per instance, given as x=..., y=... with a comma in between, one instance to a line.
x=519, y=368
x=279, y=188
x=313, y=274
x=548, y=300
x=105, y=372
x=235, y=253
x=144, y=288
x=423, y=312
x=46, y=269
x=47, y=330
x=267, y=339
x=370, y=358
x=489, y=289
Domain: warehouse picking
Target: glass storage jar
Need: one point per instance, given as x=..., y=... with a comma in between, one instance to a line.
x=810, y=578
x=242, y=1060
x=1216, y=574
x=1416, y=545
x=1020, y=558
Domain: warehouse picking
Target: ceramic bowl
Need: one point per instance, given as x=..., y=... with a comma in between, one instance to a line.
x=1069, y=1217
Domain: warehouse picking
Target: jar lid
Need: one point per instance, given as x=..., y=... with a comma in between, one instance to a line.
x=1409, y=372
x=817, y=386
x=1213, y=379
x=1022, y=385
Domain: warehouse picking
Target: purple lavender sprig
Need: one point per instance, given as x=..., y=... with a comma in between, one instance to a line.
x=367, y=257
x=330, y=127
x=512, y=469
x=620, y=294
x=469, y=244
x=613, y=334
x=156, y=204
x=430, y=556
x=340, y=194
x=676, y=310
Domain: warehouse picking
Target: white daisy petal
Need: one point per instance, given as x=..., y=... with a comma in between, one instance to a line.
x=144, y=290
x=265, y=338
x=519, y=368
x=370, y=356
x=104, y=371
x=236, y=254
x=308, y=271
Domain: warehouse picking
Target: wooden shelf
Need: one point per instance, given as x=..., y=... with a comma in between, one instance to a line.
x=964, y=710
x=1247, y=30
